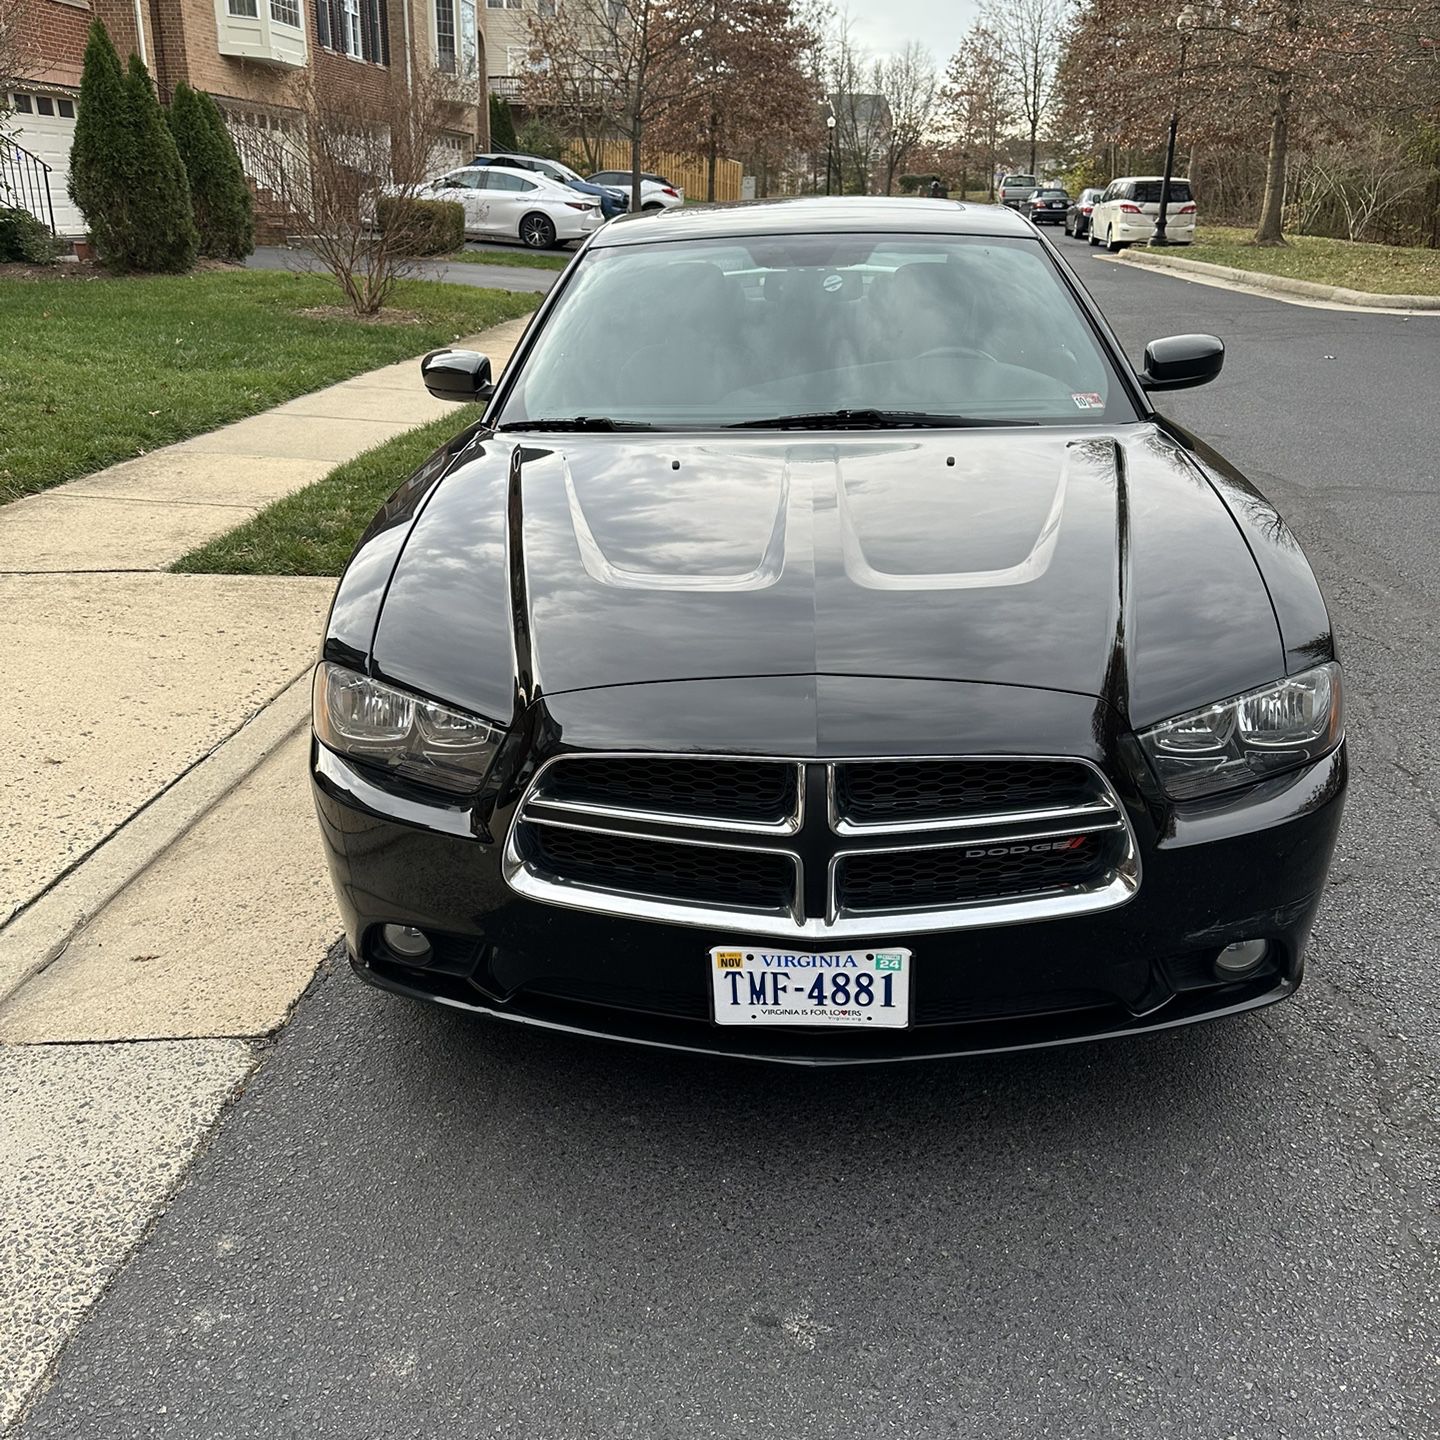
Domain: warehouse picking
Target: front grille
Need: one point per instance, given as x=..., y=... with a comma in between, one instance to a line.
x=765, y=792
x=898, y=879
x=875, y=792
x=898, y=846
x=689, y=874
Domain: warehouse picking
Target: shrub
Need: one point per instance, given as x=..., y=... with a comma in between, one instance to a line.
x=224, y=214
x=125, y=172
x=422, y=227
x=26, y=239
x=539, y=137
x=164, y=231
x=502, y=124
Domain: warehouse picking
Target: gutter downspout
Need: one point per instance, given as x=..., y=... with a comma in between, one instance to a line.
x=140, y=34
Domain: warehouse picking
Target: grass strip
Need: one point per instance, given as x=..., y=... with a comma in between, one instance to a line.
x=313, y=531
x=1378, y=269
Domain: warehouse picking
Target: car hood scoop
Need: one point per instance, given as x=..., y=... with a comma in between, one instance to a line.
x=1100, y=563
x=973, y=556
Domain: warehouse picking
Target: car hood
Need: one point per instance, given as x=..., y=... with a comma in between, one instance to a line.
x=1102, y=564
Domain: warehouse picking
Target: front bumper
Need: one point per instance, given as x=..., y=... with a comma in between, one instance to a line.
x=1233, y=870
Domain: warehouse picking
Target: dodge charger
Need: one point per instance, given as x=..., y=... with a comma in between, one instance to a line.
x=859, y=670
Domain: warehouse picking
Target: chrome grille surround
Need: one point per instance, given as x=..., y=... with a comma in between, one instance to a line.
x=820, y=840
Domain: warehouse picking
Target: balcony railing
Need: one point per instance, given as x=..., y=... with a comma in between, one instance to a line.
x=25, y=181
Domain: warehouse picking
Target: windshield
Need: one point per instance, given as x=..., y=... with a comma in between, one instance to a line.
x=1011, y=181
x=1147, y=192
x=713, y=333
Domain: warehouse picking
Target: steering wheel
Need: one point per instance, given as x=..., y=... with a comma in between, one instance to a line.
x=957, y=352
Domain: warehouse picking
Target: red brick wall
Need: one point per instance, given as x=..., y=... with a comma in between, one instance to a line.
x=54, y=33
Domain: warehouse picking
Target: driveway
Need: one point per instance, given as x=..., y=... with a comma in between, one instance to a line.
x=487, y=277
x=415, y=1225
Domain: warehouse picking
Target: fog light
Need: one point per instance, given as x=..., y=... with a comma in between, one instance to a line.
x=1241, y=958
x=406, y=941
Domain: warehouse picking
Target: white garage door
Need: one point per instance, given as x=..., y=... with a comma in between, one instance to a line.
x=44, y=124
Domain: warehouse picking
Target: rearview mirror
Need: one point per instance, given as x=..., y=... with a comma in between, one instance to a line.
x=1179, y=361
x=457, y=375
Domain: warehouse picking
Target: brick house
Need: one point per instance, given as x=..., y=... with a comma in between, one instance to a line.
x=248, y=54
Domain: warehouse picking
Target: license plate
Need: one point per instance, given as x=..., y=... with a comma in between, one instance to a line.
x=861, y=988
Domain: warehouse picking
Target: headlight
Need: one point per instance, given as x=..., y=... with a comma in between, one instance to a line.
x=375, y=723
x=1239, y=741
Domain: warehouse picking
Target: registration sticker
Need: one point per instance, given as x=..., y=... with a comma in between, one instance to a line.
x=867, y=989
x=1088, y=401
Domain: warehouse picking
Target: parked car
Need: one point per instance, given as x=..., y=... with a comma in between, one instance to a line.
x=1077, y=217
x=856, y=667
x=1047, y=205
x=1016, y=188
x=613, y=202
x=506, y=204
x=656, y=192
x=1125, y=213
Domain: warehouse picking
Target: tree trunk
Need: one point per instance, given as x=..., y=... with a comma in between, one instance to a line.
x=1268, y=232
x=710, y=157
x=1034, y=127
x=635, y=165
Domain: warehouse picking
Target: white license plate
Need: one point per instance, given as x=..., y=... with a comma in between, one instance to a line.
x=753, y=986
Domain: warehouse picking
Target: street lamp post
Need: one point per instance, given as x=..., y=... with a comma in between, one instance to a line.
x=1184, y=23
x=829, y=145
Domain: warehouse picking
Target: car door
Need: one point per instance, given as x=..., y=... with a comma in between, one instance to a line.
x=1100, y=215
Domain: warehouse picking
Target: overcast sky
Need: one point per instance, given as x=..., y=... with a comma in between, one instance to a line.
x=884, y=26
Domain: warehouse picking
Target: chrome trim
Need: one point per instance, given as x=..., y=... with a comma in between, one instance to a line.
x=1121, y=884
x=513, y=856
x=789, y=825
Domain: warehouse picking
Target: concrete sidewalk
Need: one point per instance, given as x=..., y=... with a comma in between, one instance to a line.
x=160, y=874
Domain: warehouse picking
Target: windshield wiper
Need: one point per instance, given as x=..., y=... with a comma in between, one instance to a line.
x=872, y=420
x=578, y=422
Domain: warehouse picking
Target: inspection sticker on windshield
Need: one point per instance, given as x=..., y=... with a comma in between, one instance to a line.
x=1090, y=401
x=865, y=988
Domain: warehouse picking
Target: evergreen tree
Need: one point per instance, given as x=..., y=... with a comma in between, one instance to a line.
x=100, y=163
x=221, y=200
x=163, y=224
x=502, y=124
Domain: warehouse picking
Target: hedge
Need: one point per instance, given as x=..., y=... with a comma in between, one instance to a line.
x=24, y=238
x=423, y=227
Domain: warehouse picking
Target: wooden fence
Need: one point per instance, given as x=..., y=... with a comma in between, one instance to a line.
x=683, y=171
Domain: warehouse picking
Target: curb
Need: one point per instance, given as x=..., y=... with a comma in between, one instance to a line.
x=1283, y=285
x=38, y=934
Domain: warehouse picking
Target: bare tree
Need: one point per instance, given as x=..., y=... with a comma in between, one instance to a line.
x=978, y=100
x=15, y=49
x=344, y=171
x=862, y=118
x=911, y=89
x=1029, y=35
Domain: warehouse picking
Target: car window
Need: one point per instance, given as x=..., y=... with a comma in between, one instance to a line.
x=1147, y=192
x=777, y=325
x=464, y=179
x=605, y=177
x=501, y=180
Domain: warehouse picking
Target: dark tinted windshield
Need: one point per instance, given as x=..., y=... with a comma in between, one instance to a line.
x=777, y=325
x=1147, y=192
x=1018, y=182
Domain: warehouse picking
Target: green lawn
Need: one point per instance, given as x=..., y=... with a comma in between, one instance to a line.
x=96, y=371
x=313, y=531
x=1380, y=269
x=521, y=259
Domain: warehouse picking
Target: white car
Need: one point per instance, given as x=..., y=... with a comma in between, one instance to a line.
x=656, y=192
x=1125, y=214
x=505, y=204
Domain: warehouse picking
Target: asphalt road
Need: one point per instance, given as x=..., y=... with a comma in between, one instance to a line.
x=488, y=277
x=415, y=1225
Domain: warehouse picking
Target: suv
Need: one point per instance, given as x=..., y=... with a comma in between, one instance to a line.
x=1125, y=214
x=1015, y=188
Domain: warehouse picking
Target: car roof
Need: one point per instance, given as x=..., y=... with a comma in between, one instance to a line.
x=532, y=175
x=1131, y=179
x=813, y=214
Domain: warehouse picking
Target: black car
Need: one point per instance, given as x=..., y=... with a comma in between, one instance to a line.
x=1046, y=206
x=859, y=669
x=1077, y=217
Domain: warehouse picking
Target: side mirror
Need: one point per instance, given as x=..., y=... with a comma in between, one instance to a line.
x=457, y=375
x=1179, y=361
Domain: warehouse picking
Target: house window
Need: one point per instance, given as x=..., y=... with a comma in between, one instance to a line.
x=285, y=12
x=22, y=104
x=66, y=109
x=322, y=23
x=545, y=9
x=351, y=41
x=469, y=46
x=44, y=105
x=445, y=34
x=495, y=4
x=249, y=9
x=376, y=32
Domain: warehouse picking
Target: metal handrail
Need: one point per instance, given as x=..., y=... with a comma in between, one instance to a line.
x=25, y=180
